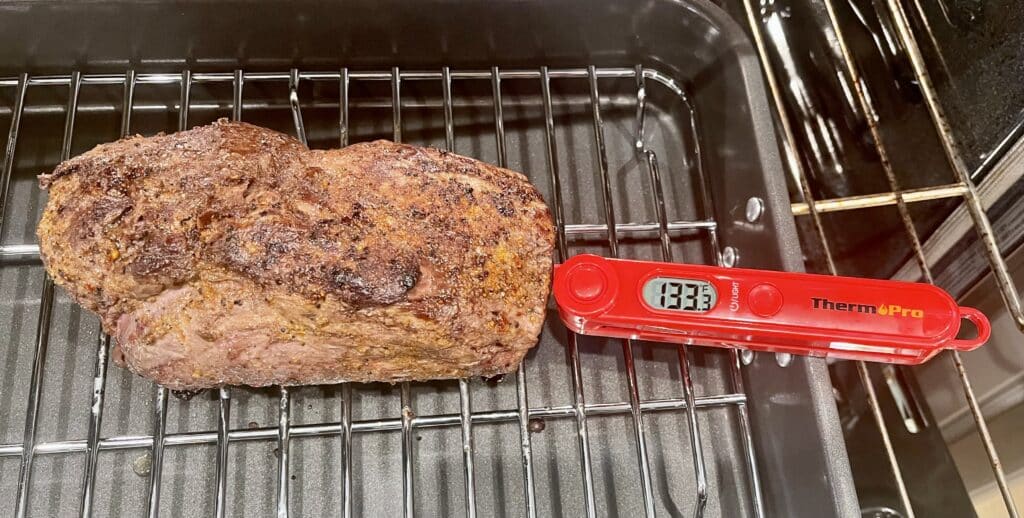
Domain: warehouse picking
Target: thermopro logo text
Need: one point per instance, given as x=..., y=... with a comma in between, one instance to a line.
x=891, y=310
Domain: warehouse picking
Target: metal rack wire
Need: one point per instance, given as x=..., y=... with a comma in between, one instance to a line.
x=963, y=187
x=636, y=408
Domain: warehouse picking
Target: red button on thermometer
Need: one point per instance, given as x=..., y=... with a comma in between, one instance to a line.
x=799, y=313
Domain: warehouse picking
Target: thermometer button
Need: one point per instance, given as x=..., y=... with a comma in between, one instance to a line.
x=587, y=282
x=765, y=300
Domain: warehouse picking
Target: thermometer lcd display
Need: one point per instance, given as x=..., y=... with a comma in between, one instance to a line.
x=680, y=294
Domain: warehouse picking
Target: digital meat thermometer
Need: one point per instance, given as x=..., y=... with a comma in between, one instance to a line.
x=798, y=313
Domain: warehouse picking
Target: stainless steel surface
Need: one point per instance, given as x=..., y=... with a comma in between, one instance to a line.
x=377, y=425
x=466, y=420
x=408, y=491
x=613, y=247
x=96, y=419
x=346, y=450
x=666, y=255
x=407, y=412
x=223, y=426
x=866, y=201
x=641, y=160
x=465, y=401
x=42, y=329
x=283, y=450
x=156, y=458
x=12, y=142
x=521, y=391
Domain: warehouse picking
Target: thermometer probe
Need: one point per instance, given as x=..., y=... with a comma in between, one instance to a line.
x=798, y=313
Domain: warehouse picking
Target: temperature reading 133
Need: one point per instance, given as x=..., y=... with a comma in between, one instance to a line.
x=680, y=294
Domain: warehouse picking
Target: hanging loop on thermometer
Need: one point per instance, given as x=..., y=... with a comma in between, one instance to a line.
x=798, y=313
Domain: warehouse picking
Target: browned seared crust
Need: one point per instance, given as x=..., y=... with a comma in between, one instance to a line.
x=232, y=254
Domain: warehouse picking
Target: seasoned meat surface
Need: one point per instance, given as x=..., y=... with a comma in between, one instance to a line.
x=230, y=254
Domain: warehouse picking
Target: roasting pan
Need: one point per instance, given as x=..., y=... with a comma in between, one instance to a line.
x=556, y=90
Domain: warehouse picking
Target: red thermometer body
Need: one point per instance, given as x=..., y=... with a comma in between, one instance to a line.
x=798, y=313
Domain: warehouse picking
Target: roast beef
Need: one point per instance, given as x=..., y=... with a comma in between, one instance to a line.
x=230, y=254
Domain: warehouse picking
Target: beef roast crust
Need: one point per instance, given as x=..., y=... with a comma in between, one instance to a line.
x=233, y=255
